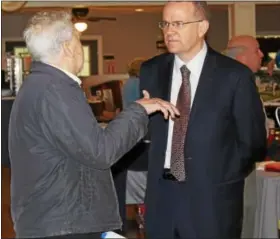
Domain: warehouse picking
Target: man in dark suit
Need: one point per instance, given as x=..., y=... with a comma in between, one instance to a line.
x=61, y=184
x=198, y=162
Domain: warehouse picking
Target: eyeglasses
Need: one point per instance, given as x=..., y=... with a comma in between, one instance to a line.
x=176, y=25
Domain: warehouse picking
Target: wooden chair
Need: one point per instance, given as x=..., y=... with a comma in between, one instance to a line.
x=104, y=97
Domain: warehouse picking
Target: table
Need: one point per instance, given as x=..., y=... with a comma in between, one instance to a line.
x=261, y=205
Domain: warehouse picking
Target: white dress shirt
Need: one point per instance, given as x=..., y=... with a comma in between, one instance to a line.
x=195, y=66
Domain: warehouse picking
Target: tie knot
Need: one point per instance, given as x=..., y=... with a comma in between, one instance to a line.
x=185, y=71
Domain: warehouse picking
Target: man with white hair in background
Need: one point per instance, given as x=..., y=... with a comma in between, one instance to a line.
x=246, y=50
x=61, y=183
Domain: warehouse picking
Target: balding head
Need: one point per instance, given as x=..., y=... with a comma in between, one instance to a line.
x=243, y=40
x=246, y=50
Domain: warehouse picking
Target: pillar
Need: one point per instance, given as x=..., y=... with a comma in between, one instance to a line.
x=242, y=19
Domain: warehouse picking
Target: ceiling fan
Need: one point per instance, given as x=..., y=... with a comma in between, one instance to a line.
x=81, y=14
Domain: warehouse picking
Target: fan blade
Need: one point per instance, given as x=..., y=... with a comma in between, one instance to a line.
x=96, y=19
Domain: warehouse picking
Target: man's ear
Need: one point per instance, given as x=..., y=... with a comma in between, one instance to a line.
x=203, y=28
x=67, y=49
x=241, y=58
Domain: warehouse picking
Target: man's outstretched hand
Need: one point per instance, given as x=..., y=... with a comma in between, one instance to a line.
x=153, y=105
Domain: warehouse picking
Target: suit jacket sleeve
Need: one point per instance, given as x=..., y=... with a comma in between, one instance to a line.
x=75, y=130
x=250, y=121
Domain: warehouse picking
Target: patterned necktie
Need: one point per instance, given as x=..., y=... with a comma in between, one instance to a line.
x=183, y=104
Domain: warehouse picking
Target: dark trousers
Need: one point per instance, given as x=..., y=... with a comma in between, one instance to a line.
x=120, y=185
x=172, y=218
x=95, y=235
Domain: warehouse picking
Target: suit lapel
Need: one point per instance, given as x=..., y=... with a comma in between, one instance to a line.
x=165, y=77
x=204, y=84
x=164, y=83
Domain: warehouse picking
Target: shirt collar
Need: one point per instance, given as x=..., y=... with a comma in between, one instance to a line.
x=194, y=65
x=72, y=76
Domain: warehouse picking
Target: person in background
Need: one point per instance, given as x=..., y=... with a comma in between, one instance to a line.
x=131, y=91
x=198, y=162
x=246, y=50
x=130, y=172
x=61, y=182
x=270, y=66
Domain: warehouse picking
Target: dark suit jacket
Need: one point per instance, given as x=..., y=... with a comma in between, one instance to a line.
x=226, y=136
x=61, y=158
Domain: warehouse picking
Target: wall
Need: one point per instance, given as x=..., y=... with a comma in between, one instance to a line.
x=218, y=33
x=268, y=19
x=130, y=36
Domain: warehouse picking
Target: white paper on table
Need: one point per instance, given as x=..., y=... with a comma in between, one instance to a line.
x=111, y=235
x=261, y=166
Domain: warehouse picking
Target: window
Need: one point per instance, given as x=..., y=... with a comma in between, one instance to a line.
x=86, y=71
x=21, y=51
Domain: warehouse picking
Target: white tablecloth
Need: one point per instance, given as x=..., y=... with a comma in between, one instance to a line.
x=261, y=205
x=135, y=187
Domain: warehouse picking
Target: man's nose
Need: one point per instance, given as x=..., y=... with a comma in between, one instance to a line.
x=170, y=32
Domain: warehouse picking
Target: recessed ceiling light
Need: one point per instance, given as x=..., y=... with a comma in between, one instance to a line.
x=139, y=10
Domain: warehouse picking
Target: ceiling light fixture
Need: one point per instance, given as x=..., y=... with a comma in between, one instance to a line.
x=81, y=26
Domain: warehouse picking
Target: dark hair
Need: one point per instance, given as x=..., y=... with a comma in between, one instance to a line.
x=202, y=9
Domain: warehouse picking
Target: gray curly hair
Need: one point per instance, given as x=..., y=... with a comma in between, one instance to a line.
x=46, y=32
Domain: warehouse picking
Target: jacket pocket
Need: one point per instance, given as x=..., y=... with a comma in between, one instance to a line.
x=232, y=181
